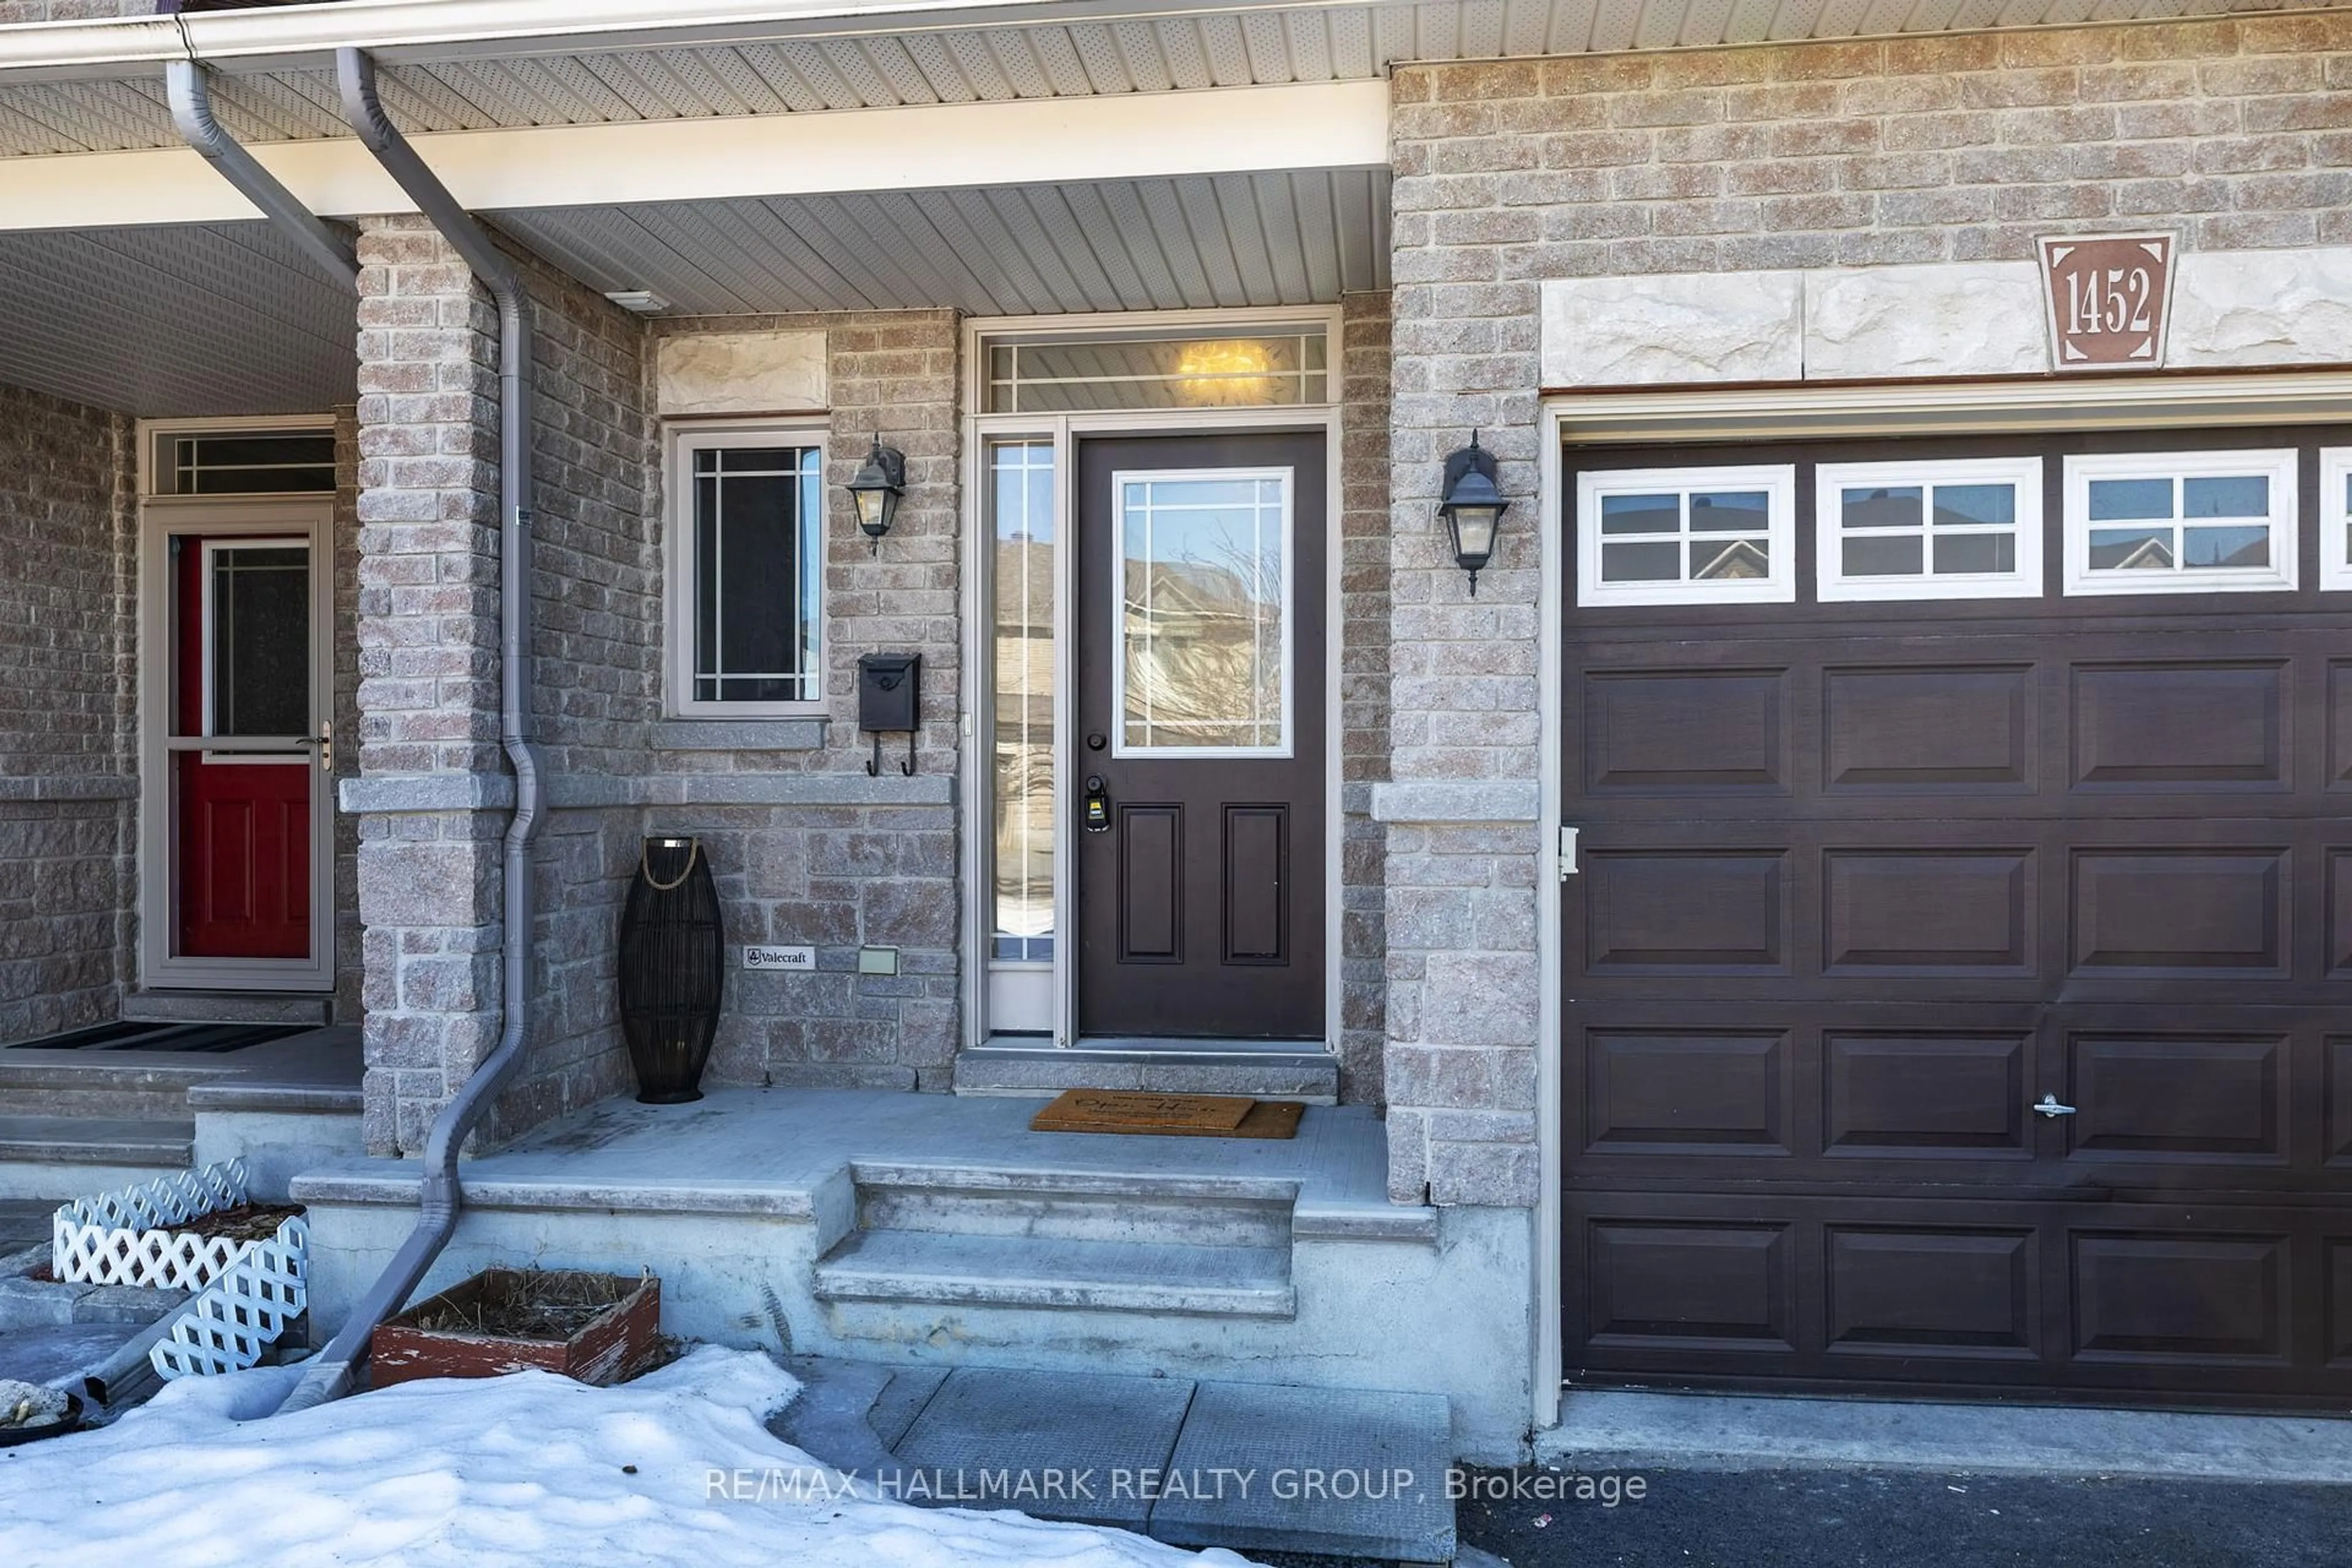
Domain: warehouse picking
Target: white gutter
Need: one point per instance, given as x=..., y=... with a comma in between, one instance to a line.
x=410, y=30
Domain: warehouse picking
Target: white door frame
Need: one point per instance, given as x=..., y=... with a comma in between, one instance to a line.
x=160, y=520
x=1788, y=414
x=977, y=801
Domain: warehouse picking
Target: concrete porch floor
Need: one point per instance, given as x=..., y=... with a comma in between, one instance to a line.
x=783, y=1151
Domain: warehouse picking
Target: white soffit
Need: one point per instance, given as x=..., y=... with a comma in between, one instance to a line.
x=210, y=319
x=1296, y=238
x=100, y=87
x=1305, y=126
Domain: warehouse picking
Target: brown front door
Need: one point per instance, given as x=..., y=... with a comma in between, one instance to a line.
x=1954, y=991
x=1199, y=736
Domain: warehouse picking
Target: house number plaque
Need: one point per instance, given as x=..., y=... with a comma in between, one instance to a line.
x=2107, y=296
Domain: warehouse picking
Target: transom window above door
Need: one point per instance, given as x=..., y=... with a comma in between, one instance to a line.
x=1168, y=367
x=1686, y=536
x=746, y=572
x=2180, y=522
x=1929, y=529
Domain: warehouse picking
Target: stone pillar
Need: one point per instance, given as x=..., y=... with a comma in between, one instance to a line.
x=431, y=780
x=1364, y=654
x=1461, y=808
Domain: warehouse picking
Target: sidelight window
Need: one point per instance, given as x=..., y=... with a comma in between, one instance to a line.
x=2180, y=522
x=1929, y=529
x=1023, y=573
x=746, y=566
x=1686, y=536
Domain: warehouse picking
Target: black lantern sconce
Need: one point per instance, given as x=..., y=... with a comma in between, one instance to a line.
x=1472, y=508
x=876, y=487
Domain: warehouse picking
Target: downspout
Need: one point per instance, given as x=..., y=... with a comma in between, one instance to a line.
x=190, y=89
x=330, y=1375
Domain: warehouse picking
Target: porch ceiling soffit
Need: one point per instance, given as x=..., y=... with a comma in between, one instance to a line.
x=1313, y=126
x=471, y=65
x=1224, y=241
x=202, y=319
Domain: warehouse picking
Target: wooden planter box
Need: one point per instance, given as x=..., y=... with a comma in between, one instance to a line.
x=612, y=1345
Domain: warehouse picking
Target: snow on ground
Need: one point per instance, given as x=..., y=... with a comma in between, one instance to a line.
x=526, y=1468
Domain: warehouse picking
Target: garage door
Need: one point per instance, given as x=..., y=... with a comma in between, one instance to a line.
x=1957, y=959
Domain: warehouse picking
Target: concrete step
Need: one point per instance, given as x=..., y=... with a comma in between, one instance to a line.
x=1340, y=1473
x=227, y=1008
x=921, y=1266
x=77, y=1084
x=1062, y=1205
x=1310, y=1076
x=97, y=1140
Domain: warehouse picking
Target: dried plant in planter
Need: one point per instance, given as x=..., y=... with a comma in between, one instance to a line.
x=597, y=1328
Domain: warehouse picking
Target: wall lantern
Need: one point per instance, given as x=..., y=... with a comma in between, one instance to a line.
x=1472, y=508
x=875, y=488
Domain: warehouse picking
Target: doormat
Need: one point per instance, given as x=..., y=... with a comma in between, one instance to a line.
x=211, y=1038
x=1150, y=1115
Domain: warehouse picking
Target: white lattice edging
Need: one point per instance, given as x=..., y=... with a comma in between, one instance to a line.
x=128, y=1238
x=241, y=1313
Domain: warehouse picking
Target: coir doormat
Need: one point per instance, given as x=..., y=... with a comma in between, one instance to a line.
x=1168, y=1115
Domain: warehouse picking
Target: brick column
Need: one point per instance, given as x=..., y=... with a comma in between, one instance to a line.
x=428, y=696
x=1462, y=839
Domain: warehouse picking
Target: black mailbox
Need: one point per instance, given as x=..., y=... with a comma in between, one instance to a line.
x=886, y=688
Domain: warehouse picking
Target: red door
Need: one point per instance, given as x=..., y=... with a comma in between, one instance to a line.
x=243, y=805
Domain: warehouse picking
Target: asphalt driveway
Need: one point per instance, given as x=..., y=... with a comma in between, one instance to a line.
x=1834, y=1519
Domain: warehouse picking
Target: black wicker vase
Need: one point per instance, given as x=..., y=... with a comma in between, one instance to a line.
x=673, y=969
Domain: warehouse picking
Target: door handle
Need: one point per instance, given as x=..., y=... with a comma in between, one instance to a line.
x=1094, y=815
x=2048, y=1106
x=324, y=742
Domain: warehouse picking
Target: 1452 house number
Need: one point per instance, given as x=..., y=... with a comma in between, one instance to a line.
x=2107, y=299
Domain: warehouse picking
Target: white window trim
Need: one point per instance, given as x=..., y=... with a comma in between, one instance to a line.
x=2335, y=558
x=1829, y=530
x=2276, y=464
x=1116, y=588
x=678, y=562
x=1777, y=586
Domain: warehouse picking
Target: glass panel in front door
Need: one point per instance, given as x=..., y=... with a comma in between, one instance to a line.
x=243, y=815
x=1202, y=664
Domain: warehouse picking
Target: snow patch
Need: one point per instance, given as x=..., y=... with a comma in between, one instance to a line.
x=528, y=1468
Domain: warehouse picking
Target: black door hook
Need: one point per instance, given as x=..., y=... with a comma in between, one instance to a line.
x=874, y=767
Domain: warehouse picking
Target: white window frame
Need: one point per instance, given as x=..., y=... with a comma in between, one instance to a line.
x=1777, y=587
x=1117, y=589
x=2334, y=517
x=2278, y=465
x=1829, y=480
x=679, y=585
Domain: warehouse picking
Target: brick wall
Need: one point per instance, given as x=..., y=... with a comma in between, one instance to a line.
x=2236, y=133
x=68, y=795
x=428, y=698
x=11, y=11
x=808, y=848
x=1363, y=654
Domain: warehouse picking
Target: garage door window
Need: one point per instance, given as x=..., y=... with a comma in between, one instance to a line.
x=1686, y=536
x=1929, y=530
x=2183, y=523
x=2335, y=518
